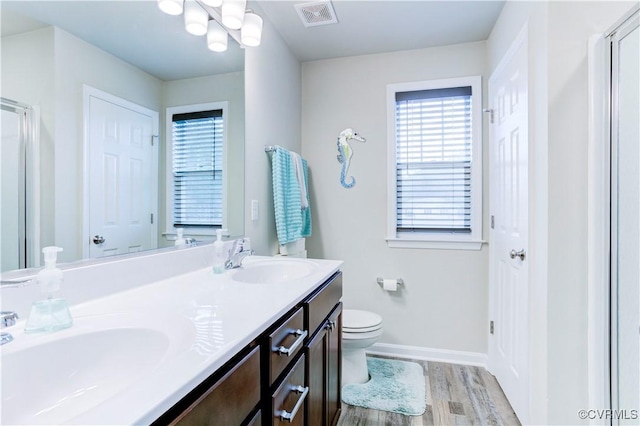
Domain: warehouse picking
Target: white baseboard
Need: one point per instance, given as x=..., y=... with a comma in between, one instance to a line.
x=429, y=354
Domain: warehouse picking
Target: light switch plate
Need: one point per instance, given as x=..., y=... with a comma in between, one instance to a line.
x=255, y=210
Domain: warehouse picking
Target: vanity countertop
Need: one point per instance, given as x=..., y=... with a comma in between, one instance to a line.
x=177, y=332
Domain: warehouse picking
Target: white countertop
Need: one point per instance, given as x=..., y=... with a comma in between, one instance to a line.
x=202, y=320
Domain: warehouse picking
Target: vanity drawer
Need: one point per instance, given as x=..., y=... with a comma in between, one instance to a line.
x=231, y=399
x=320, y=304
x=288, y=401
x=285, y=342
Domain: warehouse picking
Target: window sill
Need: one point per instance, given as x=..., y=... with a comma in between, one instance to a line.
x=196, y=232
x=435, y=244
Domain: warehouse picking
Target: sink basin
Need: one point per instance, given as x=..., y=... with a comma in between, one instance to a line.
x=50, y=379
x=274, y=271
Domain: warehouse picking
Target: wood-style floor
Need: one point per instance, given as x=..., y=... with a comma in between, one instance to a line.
x=456, y=395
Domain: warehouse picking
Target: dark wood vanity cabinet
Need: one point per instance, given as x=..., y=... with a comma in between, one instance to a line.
x=321, y=354
x=289, y=375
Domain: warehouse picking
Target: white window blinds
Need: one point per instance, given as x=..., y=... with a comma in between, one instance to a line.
x=197, y=168
x=433, y=160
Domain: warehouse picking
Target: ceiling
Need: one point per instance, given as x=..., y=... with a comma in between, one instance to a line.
x=139, y=33
x=135, y=31
x=367, y=27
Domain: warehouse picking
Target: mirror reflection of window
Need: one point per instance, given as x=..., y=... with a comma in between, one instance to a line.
x=197, y=179
x=197, y=168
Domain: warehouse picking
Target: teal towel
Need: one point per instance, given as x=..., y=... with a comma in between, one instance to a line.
x=306, y=213
x=292, y=223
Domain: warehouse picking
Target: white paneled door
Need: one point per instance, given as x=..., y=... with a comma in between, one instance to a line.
x=122, y=174
x=509, y=256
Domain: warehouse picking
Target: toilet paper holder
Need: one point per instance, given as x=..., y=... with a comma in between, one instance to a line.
x=379, y=280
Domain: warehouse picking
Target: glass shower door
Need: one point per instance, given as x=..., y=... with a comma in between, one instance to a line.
x=19, y=178
x=625, y=219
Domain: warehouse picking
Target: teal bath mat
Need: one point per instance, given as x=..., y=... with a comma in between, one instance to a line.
x=396, y=386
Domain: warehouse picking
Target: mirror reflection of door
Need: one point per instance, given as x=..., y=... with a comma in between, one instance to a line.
x=122, y=153
x=19, y=215
x=625, y=220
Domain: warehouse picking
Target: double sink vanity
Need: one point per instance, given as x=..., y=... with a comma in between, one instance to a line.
x=160, y=339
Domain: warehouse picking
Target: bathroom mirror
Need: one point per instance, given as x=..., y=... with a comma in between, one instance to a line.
x=54, y=52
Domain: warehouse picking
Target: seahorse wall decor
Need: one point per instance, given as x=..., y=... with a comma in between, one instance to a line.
x=345, y=152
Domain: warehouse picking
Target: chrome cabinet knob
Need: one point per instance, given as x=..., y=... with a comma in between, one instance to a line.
x=98, y=239
x=521, y=254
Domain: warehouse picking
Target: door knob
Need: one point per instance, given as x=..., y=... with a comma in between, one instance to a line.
x=98, y=239
x=521, y=254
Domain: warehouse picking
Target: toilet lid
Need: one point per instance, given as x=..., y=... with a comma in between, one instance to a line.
x=356, y=321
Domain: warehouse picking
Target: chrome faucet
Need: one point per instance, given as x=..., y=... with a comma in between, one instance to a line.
x=7, y=319
x=237, y=254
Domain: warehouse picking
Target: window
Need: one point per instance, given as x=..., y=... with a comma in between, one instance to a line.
x=196, y=164
x=435, y=168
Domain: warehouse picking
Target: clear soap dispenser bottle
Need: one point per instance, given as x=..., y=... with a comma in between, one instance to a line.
x=180, y=241
x=49, y=314
x=219, y=255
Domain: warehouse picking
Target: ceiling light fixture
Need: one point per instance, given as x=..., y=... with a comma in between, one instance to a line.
x=233, y=13
x=213, y=3
x=218, y=19
x=195, y=18
x=171, y=7
x=251, y=31
x=217, y=37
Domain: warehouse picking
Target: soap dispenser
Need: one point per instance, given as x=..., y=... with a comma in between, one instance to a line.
x=49, y=314
x=219, y=255
x=180, y=241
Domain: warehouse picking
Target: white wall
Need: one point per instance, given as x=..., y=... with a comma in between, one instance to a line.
x=568, y=133
x=216, y=88
x=78, y=63
x=48, y=68
x=28, y=76
x=272, y=114
x=350, y=224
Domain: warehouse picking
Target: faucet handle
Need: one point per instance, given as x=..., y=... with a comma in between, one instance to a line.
x=240, y=245
x=8, y=319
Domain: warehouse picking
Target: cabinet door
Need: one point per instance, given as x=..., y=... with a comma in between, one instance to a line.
x=334, y=366
x=316, y=380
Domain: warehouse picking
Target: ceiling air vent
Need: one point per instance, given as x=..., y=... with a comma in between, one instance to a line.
x=316, y=13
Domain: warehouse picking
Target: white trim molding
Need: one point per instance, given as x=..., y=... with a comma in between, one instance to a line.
x=598, y=206
x=437, y=240
x=429, y=354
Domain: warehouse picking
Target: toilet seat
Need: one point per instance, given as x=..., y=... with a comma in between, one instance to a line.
x=374, y=334
x=357, y=321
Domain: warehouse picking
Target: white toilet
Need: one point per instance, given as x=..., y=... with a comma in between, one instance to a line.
x=360, y=330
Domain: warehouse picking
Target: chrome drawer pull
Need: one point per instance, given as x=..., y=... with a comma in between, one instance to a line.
x=285, y=416
x=282, y=350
